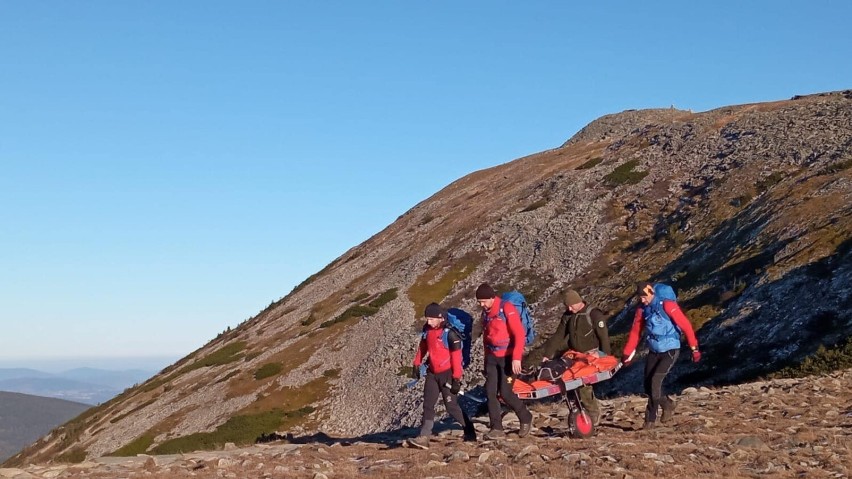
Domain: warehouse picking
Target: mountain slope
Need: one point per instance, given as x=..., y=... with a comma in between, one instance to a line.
x=759, y=429
x=25, y=418
x=745, y=209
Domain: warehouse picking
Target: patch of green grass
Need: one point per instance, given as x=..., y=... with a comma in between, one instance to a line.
x=241, y=430
x=228, y=376
x=591, y=163
x=436, y=283
x=625, y=174
x=351, y=312
x=73, y=456
x=769, y=181
x=674, y=236
x=384, y=298
x=360, y=310
x=699, y=316
x=267, y=371
x=139, y=445
x=741, y=200
x=309, y=320
x=824, y=360
x=227, y=354
x=360, y=297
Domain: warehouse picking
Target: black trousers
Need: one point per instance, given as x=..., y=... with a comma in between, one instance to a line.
x=657, y=366
x=498, y=376
x=439, y=384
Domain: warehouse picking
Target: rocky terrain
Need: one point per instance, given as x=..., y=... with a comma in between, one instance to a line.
x=778, y=428
x=746, y=210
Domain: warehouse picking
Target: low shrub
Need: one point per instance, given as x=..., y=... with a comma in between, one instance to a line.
x=267, y=371
x=241, y=430
x=769, y=181
x=384, y=298
x=824, y=360
x=138, y=446
x=626, y=174
x=72, y=456
x=591, y=163
x=836, y=167
x=227, y=354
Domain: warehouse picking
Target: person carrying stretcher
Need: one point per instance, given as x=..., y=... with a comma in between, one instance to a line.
x=582, y=328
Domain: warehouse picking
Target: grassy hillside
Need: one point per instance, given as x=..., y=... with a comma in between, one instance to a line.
x=25, y=418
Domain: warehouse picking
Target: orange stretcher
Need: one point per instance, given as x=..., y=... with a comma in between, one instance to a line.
x=586, y=368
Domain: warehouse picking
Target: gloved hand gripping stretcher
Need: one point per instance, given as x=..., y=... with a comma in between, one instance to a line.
x=564, y=376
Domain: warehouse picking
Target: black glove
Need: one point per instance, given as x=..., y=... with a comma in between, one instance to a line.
x=415, y=372
x=455, y=387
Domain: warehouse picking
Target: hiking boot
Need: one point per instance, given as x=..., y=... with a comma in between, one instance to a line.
x=668, y=411
x=420, y=442
x=469, y=434
x=525, y=429
x=494, y=434
x=649, y=425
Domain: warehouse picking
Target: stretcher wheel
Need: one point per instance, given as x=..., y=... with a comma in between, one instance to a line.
x=580, y=424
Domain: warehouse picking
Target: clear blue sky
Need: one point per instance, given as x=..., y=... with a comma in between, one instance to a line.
x=167, y=169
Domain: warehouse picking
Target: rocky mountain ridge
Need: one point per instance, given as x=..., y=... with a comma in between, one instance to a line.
x=746, y=210
x=779, y=428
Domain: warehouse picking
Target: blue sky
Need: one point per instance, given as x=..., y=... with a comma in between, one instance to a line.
x=167, y=169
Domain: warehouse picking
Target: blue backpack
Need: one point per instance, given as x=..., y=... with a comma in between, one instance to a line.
x=520, y=303
x=462, y=323
x=663, y=333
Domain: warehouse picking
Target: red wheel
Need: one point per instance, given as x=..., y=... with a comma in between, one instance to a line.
x=580, y=424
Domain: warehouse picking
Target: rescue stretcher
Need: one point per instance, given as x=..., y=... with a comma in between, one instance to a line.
x=585, y=369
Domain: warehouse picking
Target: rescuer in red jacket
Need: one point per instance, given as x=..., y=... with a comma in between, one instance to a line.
x=441, y=347
x=504, y=339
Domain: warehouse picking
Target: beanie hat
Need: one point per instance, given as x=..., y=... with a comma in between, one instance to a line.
x=434, y=310
x=570, y=297
x=642, y=288
x=485, y=291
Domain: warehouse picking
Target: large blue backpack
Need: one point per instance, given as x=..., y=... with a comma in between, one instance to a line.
x=520, y=303
x=462, y=322
x=663, y=334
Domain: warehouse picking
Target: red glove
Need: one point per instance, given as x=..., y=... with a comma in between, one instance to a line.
x=696, y=355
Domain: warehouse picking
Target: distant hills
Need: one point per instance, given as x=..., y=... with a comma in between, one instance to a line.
x=85, y=385
x=25, y=418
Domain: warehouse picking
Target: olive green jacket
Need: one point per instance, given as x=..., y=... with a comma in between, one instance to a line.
x=582, y=332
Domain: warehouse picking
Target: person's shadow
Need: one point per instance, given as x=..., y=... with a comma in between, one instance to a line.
x=391, y=439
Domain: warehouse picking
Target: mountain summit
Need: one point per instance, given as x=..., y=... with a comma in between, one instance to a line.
x=746, y=210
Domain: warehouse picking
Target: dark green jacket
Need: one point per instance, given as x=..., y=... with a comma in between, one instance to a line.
x=582, y=332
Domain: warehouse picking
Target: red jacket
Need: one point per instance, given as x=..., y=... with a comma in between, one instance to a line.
x=673, y=310
x=440, y=357
x=499, y=335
